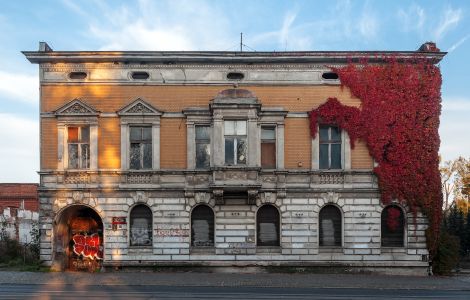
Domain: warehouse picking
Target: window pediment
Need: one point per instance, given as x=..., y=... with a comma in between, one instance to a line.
x=138, y=108
x=76, y=107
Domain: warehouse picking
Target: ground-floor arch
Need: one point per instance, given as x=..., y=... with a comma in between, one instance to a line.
x=78, y=239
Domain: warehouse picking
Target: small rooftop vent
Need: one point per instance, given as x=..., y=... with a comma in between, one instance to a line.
x=235, y=76
x=77, y=75
x=330, y=76
x=140, y=75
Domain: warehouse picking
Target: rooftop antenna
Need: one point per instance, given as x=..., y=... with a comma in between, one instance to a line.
x=241, y=41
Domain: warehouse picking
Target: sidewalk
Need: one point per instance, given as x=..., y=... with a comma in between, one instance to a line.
x=233, y=280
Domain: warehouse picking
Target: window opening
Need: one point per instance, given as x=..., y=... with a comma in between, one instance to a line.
x=140, y=75
x=267, y=220
x=141, y=226
x=330, y=147
x=235, y=142
x=202, y=226
x=203, y=151
x=330, y=226
x=141, y=147
x=78, y=144
x=77, y=75
x=330, y=75
x=268, y=147
x=393, y=226
x=235, y=76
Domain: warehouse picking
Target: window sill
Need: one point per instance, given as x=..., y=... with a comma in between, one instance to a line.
x=268, y=249
x=140, y=249
x=330, y=249
x=202, y=250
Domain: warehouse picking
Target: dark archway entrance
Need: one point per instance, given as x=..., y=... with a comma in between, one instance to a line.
x=78, y=239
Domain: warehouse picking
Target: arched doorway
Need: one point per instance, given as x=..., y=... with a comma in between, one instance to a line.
x=78, y=239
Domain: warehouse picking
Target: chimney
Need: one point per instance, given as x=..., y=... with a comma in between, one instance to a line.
x=44, y=47
x=429, y=47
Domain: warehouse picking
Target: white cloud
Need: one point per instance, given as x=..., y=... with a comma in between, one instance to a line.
x=20, y=87
x=458, y=104
x=412, y=19
x=449, y=20
x=458, y=44
x=368, y=25
x=19, y=153
x=166, y=25
x=454, y=127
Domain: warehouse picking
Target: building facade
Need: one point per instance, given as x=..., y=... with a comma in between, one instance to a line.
x=206, y=158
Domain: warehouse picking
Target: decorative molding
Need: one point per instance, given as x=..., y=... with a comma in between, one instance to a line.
x=76, y=107
x=218, y=196
x=137, y=108
x=330, y=197
x=140, y=196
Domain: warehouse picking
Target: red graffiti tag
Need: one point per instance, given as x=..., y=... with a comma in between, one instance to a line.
x=87, y=245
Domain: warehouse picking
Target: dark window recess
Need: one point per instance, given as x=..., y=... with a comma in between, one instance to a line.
x=267, y=224
x=330, y=226
x=235, y=76
x=77, y=75
x=141, y=148
x=78, y=146
x=393, y=227
x=268, y=147
x=203, y=150
x=202, y=226
x=330, y=76
x=141, y=226
x=330, y=147
x=140, y=75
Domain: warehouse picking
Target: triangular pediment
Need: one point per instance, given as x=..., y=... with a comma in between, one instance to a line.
x=76, y=107
x=138, y=107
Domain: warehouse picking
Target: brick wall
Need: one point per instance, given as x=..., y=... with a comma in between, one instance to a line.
x=173, y=143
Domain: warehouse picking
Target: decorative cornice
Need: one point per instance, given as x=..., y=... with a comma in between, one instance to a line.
x=138, y=108
x=76, y=107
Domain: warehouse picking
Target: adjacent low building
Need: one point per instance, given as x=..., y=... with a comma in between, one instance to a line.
x=206, y=158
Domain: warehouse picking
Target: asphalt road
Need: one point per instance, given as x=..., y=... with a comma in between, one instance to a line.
x=28, y=291
x=205, y=285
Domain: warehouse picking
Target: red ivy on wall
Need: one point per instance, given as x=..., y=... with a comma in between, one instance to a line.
x=399, y=120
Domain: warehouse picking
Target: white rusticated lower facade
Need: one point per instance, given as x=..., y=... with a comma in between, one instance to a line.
x=298, y=196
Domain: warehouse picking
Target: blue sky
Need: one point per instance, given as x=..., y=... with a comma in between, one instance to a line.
x=216, y=25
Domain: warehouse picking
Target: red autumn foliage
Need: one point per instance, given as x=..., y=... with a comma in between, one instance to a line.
x=399, y=120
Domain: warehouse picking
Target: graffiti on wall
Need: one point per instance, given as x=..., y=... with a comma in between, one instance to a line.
x=87, y=245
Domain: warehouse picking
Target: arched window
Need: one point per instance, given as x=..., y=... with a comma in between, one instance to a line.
x=141, y=226
x=202, y=226
x=393, y=226
x=330, y=226
x=267, y=224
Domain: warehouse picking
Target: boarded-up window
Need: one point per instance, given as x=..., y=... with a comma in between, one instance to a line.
x=78, y=147
x=330, y=147
x=202, y=226
x=330, y=226
x=141, y=226
x=268, y=147
x=203, y=149
x=141, y=148
x=393, y=227
x=235, y=142
x=267, y=224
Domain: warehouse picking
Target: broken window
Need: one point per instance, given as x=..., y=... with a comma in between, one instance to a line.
x=330, y=147
x=393, y=227
x=78, y=146
x=235, y=142
x=203, y=150
x=141, y=226
x=268, y=147
x=141, y=147
x=267, y=224
x=330, y=226
x=202, y=226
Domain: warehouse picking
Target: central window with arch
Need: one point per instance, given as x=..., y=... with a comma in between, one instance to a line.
x=235, y=142
x=141, y=226
x=393, y=227
x=202, y=226
x=330, y=226
x=267, y=225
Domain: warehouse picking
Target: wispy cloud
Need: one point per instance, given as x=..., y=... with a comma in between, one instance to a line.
x=19, y=87
x=454, y=127
x=459, y=104
x=368, y=24
x=412, y=19
x=449, y=20
x=19, y=153
x=458, y=44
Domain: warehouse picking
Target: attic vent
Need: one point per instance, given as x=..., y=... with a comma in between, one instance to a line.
x=329, y=76
x=77, y=75
x=140, y=75
x=235, y=76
